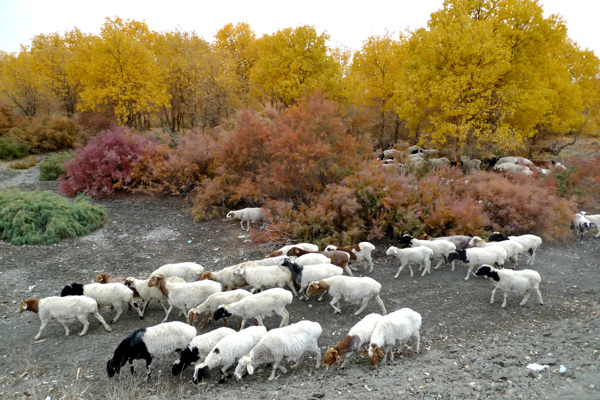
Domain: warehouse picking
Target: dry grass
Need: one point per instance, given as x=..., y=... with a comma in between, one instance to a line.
x=25, y=163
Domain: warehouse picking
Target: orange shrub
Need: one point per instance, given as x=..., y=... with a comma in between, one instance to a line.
x=581, y=181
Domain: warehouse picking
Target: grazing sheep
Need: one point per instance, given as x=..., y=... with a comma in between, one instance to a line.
x=413, y=255
x=227, y=278
x=106, y=295
x=358, y=335
x=146, y=293
x=469, y=164
x=530, y=243
x=184, y=295
x=337, y=257
x=248, y=215
x=258, y=306
x=291, y=342
x=305, y=274
x=512, y=248
x=147, y=343
x=508, y=280
x=436, y=163
x=228, y=350
x=304, y=246
x=213, y=302
x=441, y=248
x=361, y=253
x=188, y=271
x=514, y=168
x=63, y=309
x=595, y=221
x=515, y=160
x=395, y=328
x=478, y=256
x=352, y=289
x=199, y=348
x=581, y=224
x=266, y=277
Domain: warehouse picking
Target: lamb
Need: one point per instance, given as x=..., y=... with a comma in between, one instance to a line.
x=259, y=305
x=292, y=342
x=361, y=253
x=513, y=249
x=581, y=224
x=199, y=348
x=478, y=256
x=147, y=343
x=413, y=255
x=351, y=289
x=358, y=335
x=146, y=293
x=63, y=309
x=188, y=271
x=108, y=294
x=438, y=162
x=337, y=257
x=305, y=274
x=213, y=302
x=227, y=278
x=395, y=328
x=229, y=349
x=184, y=295
x=266, y=277
x=248, y=215
x=530, y=243
x=441, y=248
x=519, y=282
x=304, y=246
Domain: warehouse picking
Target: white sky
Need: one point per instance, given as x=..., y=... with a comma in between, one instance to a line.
x=347, y=22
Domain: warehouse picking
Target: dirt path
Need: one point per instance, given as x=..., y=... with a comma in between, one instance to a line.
x=469, y=348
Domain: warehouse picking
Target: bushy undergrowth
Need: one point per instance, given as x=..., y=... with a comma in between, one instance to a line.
x=45, y=217
x=25, y=163
x=45, y=135
x=53, y=166
x=11, y=149
x=581, y=181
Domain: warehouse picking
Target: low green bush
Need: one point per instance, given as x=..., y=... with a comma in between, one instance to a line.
x=10, y=149
x=52, y=166
x=46, y=218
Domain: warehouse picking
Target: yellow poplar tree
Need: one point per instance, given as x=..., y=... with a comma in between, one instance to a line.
x=20, y=81
x=119, y=71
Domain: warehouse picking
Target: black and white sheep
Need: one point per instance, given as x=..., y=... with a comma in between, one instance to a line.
x=581, y=224
x=513, y=249
x=199, y=348
x=63, y=309
x=291, y=342
x=248, y=215
x=106, y=295
x=395, y=328
x=594, y=221
x=349, y=288
x=147, y=343
x=412, y=255
x=478, y=256
x=529, y=242
x=441, y=248
x=510, y=281
x=305, y=274
x=213, y=302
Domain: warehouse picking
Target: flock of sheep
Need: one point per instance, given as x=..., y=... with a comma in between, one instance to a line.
x=299, y=271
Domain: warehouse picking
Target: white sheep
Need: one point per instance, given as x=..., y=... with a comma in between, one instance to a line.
x=412, y=255
x=438, y=162
x=227, y=278
x=106, y=295
x=515, y=160
x=63, y=309
x=248, y=215
x=258, y=306
x=514, y=168
x=478, y=256
x=304, y=246
x=470, y=164
x=213, y=302
x=441, y=248
x=358, y=335
x=511, y=281
x=146, y=293
x=188, y=271
x=228, y=350
x=291, y=341
x=260, y=277
x=305, y=259
x=529, y=242
x=147, y=343
x=513, y=249
x=349, y=288
x=394, y=329
x=361, y=253
x=305, y=274
x=184, y=295
x=199, y=348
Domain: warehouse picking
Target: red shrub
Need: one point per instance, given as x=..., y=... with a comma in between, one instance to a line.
x=581, y=181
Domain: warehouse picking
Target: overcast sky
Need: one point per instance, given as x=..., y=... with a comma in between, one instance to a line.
x=348, y=23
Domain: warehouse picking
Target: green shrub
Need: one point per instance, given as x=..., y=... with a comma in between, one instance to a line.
x=52, y=167
x=25, y=163
x=45, y=217
x=10, y=149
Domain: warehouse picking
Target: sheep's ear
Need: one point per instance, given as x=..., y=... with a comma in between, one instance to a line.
x=250, y=369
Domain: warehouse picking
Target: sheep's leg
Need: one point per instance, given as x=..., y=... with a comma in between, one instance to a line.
x=352, y=267
x=132, y=304
x=320, y=298
x=469, y=272
x=102, y=321
x=275, y=365
x=426, y=267
x=206, y=321
x=348, y=271
x=259, y=320
x=226, y=323
x=36, y=337
x=86, y=324
x=418, y=338
x=531, y=258
x=299, y=361
x=317, y=351
x=365, y=301
x=333, y=304
x=370, y=264
x=439, y=264
x=292, y=288
x=346, y=358
x=452, y=265
x=119, y=312
x=242, y=323
x=168, y=312
x=527, y=294
x=493, y=293
x=401, y=268
x=285, y=318
x=378, y=299
x=148, y=362
x=504, y=302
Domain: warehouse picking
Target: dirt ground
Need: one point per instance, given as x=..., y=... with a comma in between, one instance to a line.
x=469, y=347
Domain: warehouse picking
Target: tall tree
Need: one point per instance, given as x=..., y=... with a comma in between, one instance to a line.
x=20, y=81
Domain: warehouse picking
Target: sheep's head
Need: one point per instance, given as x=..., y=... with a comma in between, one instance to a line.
x=316, y=286
x=374, y=353
x=244, y=364
x=391, y=251
x=154, y=280
x=221, y=313
x=487, y=270
x=476, y=241
x=231, y=214
x=332, y=356
x=202, y=371
x=460, y=254
x=29, y=304
x=239, y=270
x=102, y=278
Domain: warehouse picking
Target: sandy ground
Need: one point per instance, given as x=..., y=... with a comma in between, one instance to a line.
x=469, y=347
